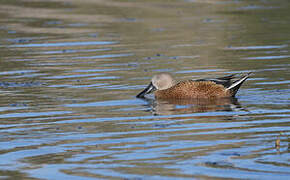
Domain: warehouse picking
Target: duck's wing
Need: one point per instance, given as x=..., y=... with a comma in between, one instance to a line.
x=228, y=81
x=232, y=76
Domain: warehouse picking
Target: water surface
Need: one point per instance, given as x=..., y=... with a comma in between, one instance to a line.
x=70, y=71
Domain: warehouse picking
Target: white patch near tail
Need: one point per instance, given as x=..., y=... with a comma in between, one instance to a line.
x=238, y=82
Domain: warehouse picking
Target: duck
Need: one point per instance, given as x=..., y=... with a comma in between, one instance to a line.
x=164, y=87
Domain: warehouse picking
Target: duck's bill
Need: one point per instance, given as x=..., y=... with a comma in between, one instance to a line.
x=149, y=89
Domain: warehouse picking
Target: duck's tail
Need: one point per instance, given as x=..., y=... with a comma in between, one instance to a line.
x=233, y=88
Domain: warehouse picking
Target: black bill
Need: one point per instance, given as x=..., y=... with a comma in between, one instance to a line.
x=149, y=89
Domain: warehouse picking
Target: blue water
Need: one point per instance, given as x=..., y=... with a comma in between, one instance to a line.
x=70, y=72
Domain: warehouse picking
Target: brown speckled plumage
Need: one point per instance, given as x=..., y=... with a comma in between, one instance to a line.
x=193, y=89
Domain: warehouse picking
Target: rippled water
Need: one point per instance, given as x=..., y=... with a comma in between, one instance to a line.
x=70, y=71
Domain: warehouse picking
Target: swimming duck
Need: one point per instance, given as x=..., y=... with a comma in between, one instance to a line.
x=164, y=87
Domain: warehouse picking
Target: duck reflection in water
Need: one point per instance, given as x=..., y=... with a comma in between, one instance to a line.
x=201, y=95
x=184, y=106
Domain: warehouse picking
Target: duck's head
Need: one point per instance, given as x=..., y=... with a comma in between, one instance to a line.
x=158, y=82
